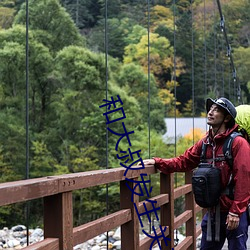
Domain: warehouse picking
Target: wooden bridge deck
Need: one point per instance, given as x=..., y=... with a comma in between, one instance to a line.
x=56, y=192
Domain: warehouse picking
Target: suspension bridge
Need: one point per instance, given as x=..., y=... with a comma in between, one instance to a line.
x=56, y=192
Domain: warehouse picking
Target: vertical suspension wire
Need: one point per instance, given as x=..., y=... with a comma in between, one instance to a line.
x=77, y=13
x=149, y=121
x=205, y=48
x=236, y=83
x=174, y=74
x=175, y=91
x=106, y=83
x=229, y=84
x=192, y=76
x=175, y=95
x=27, y=207
x=215, y=51
x=222, y=68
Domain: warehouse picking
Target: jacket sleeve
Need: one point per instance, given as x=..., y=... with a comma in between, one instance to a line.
x=241, y=175
x=185, y=162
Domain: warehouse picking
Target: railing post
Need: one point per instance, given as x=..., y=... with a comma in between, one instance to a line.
x=190, y=205
x=129, y=230
x=58, y=219
x=167, y=210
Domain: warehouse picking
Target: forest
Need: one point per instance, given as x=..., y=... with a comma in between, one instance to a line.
x=60, y=59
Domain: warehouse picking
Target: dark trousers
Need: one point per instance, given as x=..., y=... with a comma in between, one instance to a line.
x=237, y=238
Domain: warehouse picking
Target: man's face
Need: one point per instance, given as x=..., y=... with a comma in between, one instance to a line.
x=215, y=116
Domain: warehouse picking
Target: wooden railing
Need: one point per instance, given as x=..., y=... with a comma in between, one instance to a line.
x=59, y=232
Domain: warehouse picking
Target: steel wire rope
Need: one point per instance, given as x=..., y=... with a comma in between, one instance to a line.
x=174, y=80
x=221, y=46
x=106, y=93
x=175, y=95
x=221, y=68
x=229, y=83
x=27, y=206
x=237, y=88
x=77, y=13
x=205, y=48
x=215, y=51
x=205, y=51
x=149, y=120
x=192, y=73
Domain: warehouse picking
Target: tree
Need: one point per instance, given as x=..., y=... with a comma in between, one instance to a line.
x=53, y=25
x=132, y=78
x=161, y=57
x=6, y=17
x=117, y=30
x=161, y=16
x=84, y=13
x=242, y=64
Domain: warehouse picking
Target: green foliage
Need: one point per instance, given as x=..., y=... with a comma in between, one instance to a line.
x=42, y=162
x=13, y=148
x=118, y=32
x=53, y=25
x=242, y=63
x=84, y=13
x=136, y=83
x=6, y=17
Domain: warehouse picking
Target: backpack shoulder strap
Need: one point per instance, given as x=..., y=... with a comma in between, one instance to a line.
x=227, y=148
x=203, y=152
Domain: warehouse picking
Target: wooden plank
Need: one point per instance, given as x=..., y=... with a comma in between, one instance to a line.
x=24, y=190
x=145, y=244
x=182, y=190
x=167, y=210
x=160, y=199
x=99, y=177
x=198, y=231
x=58, y=219
x=185, y=244
x=129, y=230
x=90, y=230
x=198, y=209
x=46, y=244
x=182, y=218
x=190, y=205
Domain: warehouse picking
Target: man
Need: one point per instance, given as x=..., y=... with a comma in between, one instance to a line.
x=221, y=115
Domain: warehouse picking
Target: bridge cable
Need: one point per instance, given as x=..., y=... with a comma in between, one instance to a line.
x=192, y=73
x=106, y=82
x=149, y=94
x=175, y=95
x=215, y=51
x=229, y=54
x=27, y=204
x=205, y=49
x=222, y=68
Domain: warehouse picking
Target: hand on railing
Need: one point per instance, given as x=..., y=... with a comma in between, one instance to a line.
x=147, y=162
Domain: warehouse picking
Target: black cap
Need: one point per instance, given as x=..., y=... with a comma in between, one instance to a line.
x=223, y=103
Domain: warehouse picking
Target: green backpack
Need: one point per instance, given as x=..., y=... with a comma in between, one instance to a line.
x=243, y=120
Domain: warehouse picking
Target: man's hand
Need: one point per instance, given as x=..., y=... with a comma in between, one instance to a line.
x=232, y=221
x=147, y=162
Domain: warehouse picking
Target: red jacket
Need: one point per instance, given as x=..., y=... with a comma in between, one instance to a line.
x=241, y=167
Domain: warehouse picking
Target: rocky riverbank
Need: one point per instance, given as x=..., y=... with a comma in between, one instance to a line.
x=16, y=238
